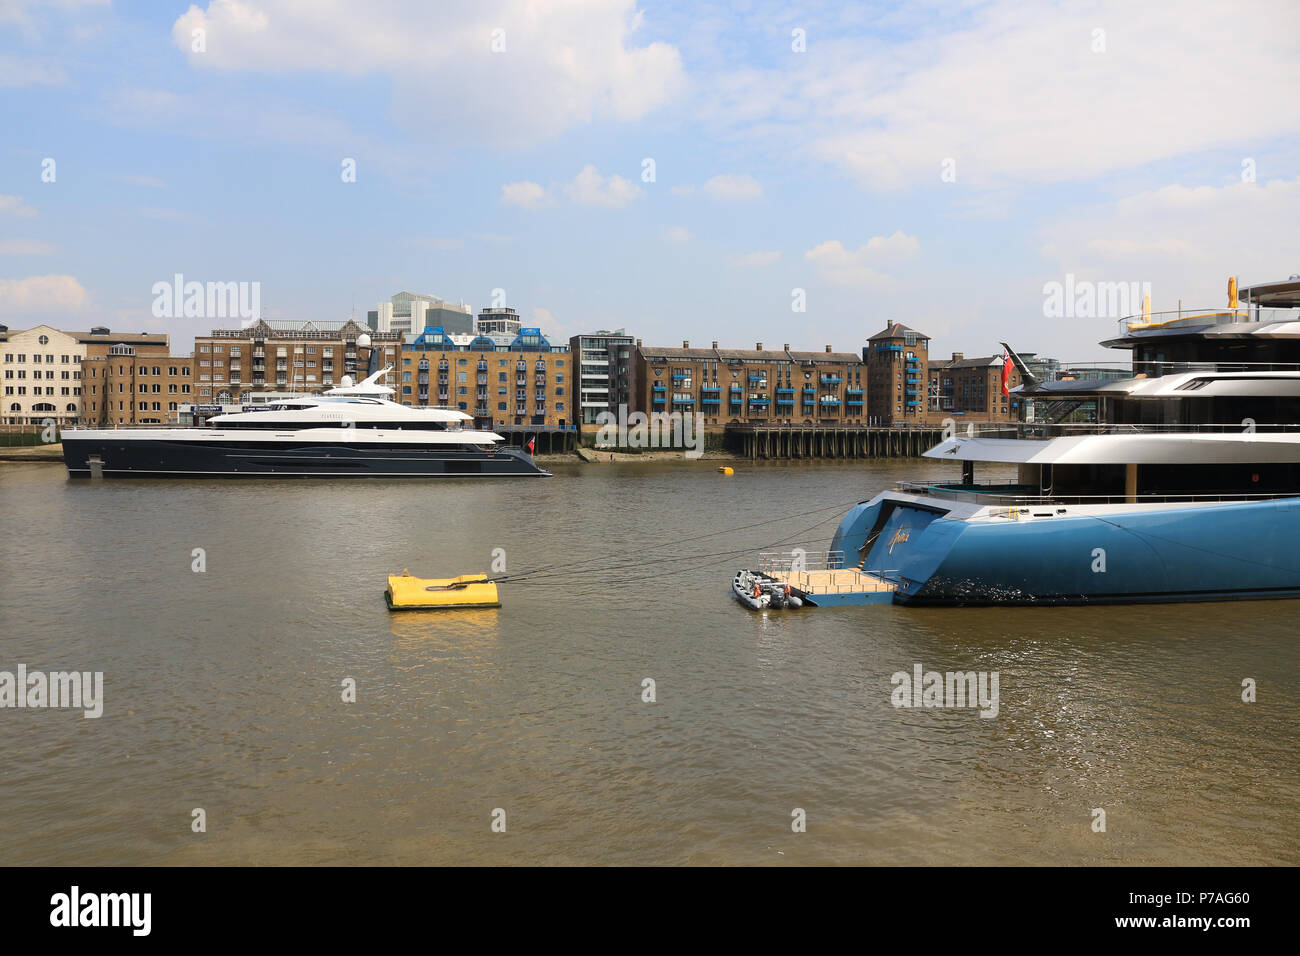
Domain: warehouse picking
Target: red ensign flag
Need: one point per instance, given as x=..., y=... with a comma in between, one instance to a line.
x=1006, y=374
x=533, y=441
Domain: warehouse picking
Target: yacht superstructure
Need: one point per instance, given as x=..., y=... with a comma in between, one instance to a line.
x=354, y=430
x=1185, y=487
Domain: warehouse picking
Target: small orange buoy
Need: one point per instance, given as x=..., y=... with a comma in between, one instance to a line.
x=726, y=470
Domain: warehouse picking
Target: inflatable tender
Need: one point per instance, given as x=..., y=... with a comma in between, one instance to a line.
x=758, y=591
x=407, y=593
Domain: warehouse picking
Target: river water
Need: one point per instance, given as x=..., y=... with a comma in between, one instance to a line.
x=223, y=687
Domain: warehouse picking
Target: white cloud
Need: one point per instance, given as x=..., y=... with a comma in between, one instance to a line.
x=556, y=332
x=525, y=195
x=843, y=266
x=141, y=105
x=682, y=190
x=755, y=260
x=1130, y=248
x=52, y=293
x=14, y=206
x=263, y=117
x=21, y=71
x=16, y=11
x=563, y=64
x=590, y=188
x=1184, y=240
x=733, y=186
x=677, y=234
x=26, y=247
x=1016, y=94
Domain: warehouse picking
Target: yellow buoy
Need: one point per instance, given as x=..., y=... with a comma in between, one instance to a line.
x=408, y=593
x=726, y=470
x=1232, y=292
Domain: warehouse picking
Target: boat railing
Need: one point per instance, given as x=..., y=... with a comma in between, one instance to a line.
x=1152, y=368
x=1043, y=430
x=124, y=426
x=1214, y=315
x=798, y=559
x=1012, y=498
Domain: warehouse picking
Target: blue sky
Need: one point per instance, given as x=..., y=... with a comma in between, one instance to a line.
x=1156, y=145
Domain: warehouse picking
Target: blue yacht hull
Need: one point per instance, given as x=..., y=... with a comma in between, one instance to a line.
x=939, y=552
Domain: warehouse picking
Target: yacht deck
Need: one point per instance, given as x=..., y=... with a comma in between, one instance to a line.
x=833, y=581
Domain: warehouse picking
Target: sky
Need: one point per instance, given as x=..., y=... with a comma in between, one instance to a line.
x=746, y=172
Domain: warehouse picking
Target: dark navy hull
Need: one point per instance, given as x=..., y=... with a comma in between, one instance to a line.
x=1206, y=552
x=150, y=458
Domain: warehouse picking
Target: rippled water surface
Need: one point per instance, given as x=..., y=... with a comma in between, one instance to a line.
x=222, y=688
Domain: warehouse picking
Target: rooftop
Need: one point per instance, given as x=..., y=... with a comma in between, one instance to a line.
x=895, y=330
x=654, y=353
x=990, y=361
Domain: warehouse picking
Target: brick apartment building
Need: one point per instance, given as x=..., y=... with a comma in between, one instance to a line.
x=52, y=374
x=972, y=388
x=231, y=364
x=503, y=381
x=132, y=380
x=897, y=360
x=752, y=386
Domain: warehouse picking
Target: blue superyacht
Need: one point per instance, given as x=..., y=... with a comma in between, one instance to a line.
x=1186, y=487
